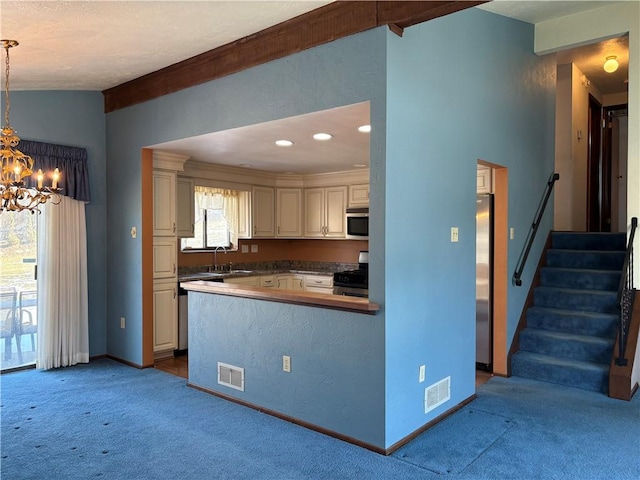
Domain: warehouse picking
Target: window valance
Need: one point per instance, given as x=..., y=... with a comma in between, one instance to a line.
x=72, y=162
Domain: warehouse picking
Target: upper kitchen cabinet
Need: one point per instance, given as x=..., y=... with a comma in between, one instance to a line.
x=185, y=216
x=359, y=195
x=289, y=212
x=484, y=180
x=244, y=214
x=164, y=203
x=325, y=212
x=263, y=212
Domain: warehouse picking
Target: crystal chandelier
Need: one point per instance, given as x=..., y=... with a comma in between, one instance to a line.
x=15, y=195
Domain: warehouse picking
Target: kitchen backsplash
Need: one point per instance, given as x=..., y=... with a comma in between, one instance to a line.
x=328, y=267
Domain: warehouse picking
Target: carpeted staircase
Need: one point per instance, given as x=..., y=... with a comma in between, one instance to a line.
x=572, y=325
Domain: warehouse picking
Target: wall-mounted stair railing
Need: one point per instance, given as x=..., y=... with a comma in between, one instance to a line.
x=626, y=295
x=534, y=229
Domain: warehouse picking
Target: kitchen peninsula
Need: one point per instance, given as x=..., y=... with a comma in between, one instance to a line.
x=286, y=352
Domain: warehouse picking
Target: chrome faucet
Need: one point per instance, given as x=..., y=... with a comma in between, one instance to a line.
x=215, y=255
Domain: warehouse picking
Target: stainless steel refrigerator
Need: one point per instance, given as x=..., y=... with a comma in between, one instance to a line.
x=484, y=282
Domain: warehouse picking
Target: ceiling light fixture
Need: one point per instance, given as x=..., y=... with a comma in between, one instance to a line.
x=611, y=64
x=15, y=195
x=322, y=136
x=364, y=128
x=284, y=143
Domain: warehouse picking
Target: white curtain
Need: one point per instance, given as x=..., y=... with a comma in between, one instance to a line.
x=63, y=318
x=219, y=199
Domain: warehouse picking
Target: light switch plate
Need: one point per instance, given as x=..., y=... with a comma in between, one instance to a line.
x=134, y=232
x=254, y=248
x=512, y=233
x=422, y=373
x=454, y=234
x=245, y=248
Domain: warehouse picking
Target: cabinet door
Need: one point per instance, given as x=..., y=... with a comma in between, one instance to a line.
x=314, y=212
x=185, y=215
x=164, y=257
x=165, y=316
x=283, y=282
x=164, y=203
x=268, y=281
x=244, y=215
x=484, y=180
x=359, y=195
x=336, y=204
x=297, y=282
x=289, y=212
x=262, y=211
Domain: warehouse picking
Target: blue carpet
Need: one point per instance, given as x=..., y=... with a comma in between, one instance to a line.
x=108, y=420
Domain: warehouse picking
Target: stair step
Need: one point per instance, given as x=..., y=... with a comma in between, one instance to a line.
x=580, y=278
x=566, y=345
x=563, y=371
x=589, y=240
x=590, y=259
x=568, y=321
x=577, y=300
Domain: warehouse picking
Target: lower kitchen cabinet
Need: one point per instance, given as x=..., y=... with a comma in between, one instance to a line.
x=165, y=316
x=290, y=282
x=318, y=284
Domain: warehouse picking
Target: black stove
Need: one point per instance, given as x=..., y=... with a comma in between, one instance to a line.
x=352, y=278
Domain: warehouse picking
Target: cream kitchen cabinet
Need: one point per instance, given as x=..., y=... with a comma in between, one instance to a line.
x=253, y=281
x=165, y=317
x=164, y=203
x=289, y=212
x=359, y=195
x=290, y=282
x=484, y=180
x=318, y=283
x=263, y=212
x=244, y=214
x=185, y=215
x=164, y=258
x=325, y=212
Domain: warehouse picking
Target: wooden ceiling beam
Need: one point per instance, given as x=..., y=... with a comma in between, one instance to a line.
x=333, y=21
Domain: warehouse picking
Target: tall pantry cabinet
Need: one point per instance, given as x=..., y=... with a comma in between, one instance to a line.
x=165, y=248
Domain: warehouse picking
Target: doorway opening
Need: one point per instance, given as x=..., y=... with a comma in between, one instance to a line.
x=499, y=183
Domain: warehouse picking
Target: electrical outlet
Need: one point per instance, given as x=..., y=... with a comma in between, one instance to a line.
x=254, y=248
x=422, y=373
x=454, y=234
x=286, y=363
x=122, y=322
x=512, y=233
x=245, y=248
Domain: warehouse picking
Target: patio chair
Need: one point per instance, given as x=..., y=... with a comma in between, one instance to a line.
x=27, y=305
x=9, y=327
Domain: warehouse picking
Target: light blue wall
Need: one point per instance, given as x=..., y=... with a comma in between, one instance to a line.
x=76, y=119
x=460, y=88
x=339, y=73
x=337, y=362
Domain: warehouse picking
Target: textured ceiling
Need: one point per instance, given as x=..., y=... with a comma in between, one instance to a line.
x=95, y=45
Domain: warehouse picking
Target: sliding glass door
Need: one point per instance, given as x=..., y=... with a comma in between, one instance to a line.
x=18, y=291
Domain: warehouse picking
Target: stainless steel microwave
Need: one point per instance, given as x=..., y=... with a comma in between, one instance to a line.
x=358, y=223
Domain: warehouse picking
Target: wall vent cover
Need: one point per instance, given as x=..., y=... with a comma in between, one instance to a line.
x=436, y=394
x=230, y=376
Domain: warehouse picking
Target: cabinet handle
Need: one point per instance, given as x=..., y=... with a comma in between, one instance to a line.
x=174, y=227
x=254, y=229
x=174, y=293
x=278, y=229
x=174, y=268
x=193, y=228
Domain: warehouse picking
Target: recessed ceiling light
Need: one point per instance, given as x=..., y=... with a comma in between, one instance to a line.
x=322, y=136
x=359, y=165
x=364, y=128
x=284, y=143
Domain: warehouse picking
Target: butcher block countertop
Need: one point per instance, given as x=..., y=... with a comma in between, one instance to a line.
x=322, y=300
